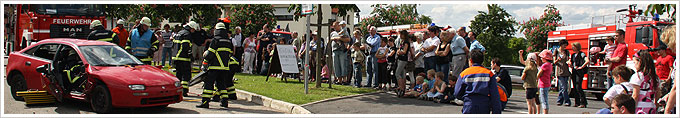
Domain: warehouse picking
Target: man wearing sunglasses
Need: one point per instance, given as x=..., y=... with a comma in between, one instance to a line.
x=620, y=54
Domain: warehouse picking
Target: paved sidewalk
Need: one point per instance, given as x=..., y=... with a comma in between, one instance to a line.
x=388, y=103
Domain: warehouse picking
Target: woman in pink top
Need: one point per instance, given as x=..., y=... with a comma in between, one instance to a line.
x=544, y=78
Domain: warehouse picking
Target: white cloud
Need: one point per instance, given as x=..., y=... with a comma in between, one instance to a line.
x=458, y=15
x=524, y=14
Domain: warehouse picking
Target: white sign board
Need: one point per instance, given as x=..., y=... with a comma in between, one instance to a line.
x=307, y=9
x=287, y=59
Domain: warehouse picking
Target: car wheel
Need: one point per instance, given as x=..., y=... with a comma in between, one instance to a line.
x=100, y=100
x=18, y=84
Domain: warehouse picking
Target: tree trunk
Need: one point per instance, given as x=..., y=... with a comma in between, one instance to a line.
x=318, y=52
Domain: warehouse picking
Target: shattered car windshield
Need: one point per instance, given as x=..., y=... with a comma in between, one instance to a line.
x=108, y=55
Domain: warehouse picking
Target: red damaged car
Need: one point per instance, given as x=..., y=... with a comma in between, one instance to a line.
x=100, y=73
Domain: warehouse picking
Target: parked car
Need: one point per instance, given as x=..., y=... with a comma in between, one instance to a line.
x=110, y=76
x=515, y=73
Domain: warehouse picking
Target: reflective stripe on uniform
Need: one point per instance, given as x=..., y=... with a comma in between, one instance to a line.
x=218, y=68
x=233, y=61
x=68, y=74
x=207, y=93
x=180, y=59
x=224, y=94
x=219, y=58
x=177, y=58
x=146, y=59
x=106, y=39
x=185, y=84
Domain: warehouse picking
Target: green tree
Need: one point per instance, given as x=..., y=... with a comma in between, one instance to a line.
x=494, y=28
x=251, y=17
x=661, y=9
x=536, y=29
x=389, y=15
x=515, y=44
x=342, y=11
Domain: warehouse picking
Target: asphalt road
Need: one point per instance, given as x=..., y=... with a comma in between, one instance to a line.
x=388, y=103
x=184, y=107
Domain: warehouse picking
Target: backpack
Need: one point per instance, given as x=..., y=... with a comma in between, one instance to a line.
x=502, y=93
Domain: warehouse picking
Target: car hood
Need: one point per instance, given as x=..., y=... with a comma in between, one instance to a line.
x=143, y=74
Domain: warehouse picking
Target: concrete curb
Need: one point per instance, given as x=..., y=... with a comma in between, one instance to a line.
x=271, y=103
x=341, y=97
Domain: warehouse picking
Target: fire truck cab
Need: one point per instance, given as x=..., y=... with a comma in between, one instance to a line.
x=642, y=33
x=35, y=22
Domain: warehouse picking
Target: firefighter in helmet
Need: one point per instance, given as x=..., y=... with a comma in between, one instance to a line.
x=215, y=61
x=100, y=34
x=142, y=43
x=182, y=61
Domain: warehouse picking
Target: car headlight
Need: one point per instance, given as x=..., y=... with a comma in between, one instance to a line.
x=177, y=84
x=137, y=87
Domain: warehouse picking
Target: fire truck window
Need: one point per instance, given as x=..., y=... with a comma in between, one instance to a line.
x=639, y=32
x=45, y=51
x=638, y=35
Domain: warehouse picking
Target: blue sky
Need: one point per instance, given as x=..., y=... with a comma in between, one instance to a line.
x=458, y=15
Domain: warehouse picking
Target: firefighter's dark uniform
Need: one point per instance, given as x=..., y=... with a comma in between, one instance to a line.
x=142, y=44
x=101, y=34
x=182, y=60
x=73, y=69
x=217, y=58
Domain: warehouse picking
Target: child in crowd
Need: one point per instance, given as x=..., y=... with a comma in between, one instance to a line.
x=645, y=83
x=609, y=48
x=623, y=104
x=358, y=59
x=437, y=89
x=544, y=78
x=609, y=51
x=267, y=56
x=621, y=76
x=382, y=65
x=529, y=76
x=417, y=89
x=325, y=74
x=429, y=84
x=391, y=62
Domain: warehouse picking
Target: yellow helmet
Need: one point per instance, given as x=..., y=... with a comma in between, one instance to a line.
x=95, y=23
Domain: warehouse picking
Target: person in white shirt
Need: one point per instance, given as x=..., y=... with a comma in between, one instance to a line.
x=429, y=47
x=237, y=41
x=622, y=75
x=249, y=55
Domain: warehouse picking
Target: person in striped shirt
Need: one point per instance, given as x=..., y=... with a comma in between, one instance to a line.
x=477, y=89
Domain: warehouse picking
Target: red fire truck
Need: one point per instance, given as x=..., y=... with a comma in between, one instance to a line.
x=641, y=33
x=34, y=22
